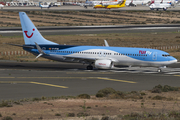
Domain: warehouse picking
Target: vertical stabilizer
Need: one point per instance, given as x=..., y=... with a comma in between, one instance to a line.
x=152, y=1
x=30, y=32
x=122, y=4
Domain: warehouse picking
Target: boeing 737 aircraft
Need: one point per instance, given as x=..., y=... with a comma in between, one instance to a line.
x=111, y=5
x=93, y=3
x=101, y=57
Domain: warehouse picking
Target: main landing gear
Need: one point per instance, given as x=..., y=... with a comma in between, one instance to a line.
x=89, y=67
x=159, y=70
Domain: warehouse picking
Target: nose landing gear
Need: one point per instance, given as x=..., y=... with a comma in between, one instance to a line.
x=160, y=70
x=89, y=67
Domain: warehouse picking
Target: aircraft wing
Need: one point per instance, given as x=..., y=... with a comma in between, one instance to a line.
x=85, y=60
x=79, y=59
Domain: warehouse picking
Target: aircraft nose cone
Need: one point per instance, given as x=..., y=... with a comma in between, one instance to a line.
x=174, y=60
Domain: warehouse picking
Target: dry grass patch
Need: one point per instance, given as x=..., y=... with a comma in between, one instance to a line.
x=99, y=108
x=79, y=18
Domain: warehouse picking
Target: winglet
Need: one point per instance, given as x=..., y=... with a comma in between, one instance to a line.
x=106, y=43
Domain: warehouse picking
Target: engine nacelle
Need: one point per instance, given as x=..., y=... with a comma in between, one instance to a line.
x=103, y=64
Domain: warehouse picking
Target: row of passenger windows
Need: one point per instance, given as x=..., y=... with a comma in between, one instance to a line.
x=131, y=54
x=104, y=53
x=82, y=52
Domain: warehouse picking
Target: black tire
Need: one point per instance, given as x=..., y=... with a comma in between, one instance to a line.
x=89, y=67
x=159, y=70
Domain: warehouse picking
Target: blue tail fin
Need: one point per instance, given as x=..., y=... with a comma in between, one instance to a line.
x=30, y=32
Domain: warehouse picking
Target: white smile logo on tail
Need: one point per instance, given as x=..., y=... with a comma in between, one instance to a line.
x=28, y=35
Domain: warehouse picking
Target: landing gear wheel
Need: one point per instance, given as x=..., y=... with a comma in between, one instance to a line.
x=159, y=70
x=89, y=67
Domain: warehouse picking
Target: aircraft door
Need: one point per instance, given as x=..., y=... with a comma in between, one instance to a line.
x=102, y=54
x=154, y=56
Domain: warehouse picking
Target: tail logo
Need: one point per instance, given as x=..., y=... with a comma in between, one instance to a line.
x=28, y=35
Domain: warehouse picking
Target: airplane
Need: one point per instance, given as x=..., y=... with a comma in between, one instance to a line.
x=101, y=57
x=132, y=3
x=1, y=6
x=122, y=4
x=94, y=3
x=111, y=5
x=43, y=6
x=104, y=5
x=160, y=5
x=98, y=2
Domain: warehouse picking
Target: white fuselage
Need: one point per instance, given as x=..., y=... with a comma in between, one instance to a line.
x=1, y=5
x=160, y=6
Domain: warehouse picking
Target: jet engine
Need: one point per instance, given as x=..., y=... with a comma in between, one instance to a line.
x=103, y=64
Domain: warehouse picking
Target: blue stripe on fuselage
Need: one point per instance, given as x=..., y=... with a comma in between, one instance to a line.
x=145, y=53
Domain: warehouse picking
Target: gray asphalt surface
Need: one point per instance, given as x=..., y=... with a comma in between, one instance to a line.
x=93, y=30
x=29, y=80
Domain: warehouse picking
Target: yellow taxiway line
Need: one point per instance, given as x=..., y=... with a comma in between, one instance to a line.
x=177, y=75
x=39, y=83
x=14, y=82
x=48, y=84
x=80, y=78
x=116, y=80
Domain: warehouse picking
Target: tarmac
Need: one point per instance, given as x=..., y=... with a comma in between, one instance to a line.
x=19, y=80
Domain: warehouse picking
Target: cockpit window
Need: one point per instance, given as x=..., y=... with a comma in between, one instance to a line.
x=165, y=55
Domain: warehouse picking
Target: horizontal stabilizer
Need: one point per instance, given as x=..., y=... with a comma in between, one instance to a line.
x=39, y=55
x=19, y=45
x=39, y=50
